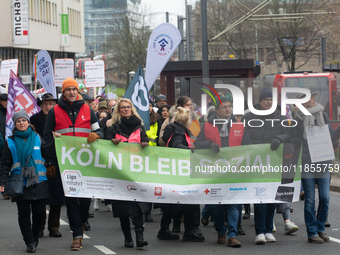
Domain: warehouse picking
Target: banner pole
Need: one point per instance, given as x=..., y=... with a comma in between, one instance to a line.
x=35, y=76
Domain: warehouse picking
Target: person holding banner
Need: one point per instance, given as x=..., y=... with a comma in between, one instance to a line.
x=23, y=155
x=214, y=137
x=72, y=117
x=315, y=224
x=177, y=135
x=127, y=126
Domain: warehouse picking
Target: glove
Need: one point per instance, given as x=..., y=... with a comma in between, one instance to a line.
x=215, y=147
x=275, y=144
x=296, y=141
x=50, y=172
x=92, y=137
x=144, y=144
x=116, y=141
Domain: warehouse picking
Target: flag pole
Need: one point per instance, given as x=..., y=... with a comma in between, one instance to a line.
x=35, y=75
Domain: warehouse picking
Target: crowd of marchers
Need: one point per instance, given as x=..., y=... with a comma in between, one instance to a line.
x=30, y=151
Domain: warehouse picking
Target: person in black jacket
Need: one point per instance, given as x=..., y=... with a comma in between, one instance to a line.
x=177, y=135
x=270, y=132
x=38, y=120
x=222, y=136
x=315, y=224
x=127, y=126
x=23, y=150
x=71, y=117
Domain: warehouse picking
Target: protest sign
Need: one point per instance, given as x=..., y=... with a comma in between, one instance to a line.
x=94, y=73
x=168, y=175
x=19, y=98
x=45, y=71
x=6, y=67
x=63, y=68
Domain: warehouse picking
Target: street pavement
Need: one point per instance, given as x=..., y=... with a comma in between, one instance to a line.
x=106, y=237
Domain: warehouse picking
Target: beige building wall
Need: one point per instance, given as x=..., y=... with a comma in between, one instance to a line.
x=45, y=25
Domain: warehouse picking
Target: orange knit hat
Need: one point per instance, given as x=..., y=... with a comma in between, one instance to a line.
x=69, y=82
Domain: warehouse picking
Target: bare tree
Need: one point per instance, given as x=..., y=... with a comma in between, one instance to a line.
x=298, y=40
x=127, y=44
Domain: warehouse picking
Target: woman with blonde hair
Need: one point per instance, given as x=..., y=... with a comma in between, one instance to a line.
x=127, y=126
x=177, y=135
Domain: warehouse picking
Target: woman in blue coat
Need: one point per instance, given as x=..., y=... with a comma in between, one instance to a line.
x=26, y=144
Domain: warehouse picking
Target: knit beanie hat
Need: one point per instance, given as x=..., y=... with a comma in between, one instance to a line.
x=226, y=98
x=160, y=97
x=265, y=93
x=69, y=82
x=20, y=114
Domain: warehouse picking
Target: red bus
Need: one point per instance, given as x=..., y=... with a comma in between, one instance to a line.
x=325, y=83
x=80, y=67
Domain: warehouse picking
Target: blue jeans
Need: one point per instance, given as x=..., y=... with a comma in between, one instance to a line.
x=233, y=212
x=316, y=224
x=207, y=211
x=263, y=217
x=77, y=213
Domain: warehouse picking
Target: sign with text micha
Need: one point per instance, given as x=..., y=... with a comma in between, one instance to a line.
x=6, y=67
x=20, y=22
x=63, y=68
x=243, y=174
x=94, y=73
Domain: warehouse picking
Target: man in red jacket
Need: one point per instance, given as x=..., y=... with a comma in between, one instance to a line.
x=72, y=117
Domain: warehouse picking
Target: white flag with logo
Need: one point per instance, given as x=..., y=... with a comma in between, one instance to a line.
x=162, y=43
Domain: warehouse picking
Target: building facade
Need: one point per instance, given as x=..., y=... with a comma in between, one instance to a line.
x=98, y=16
x=31, y=25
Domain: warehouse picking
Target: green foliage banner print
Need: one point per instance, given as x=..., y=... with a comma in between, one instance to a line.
x=242, y=174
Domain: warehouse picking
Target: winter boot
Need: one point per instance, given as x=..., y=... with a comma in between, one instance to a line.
x=128, y=242
x=139, y=237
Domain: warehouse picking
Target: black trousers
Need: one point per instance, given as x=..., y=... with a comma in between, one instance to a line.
x=53, y=218
x=28, y=229
x=77, y=213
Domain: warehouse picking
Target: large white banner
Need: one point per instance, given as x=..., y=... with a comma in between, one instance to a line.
x=63, y=68
x=236, y=175
x=6, y=67
x=162, y=43
x=20, y=22
x=94, y=73
x=45, y=71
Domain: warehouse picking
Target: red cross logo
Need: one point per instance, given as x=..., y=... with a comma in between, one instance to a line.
x=206, y=191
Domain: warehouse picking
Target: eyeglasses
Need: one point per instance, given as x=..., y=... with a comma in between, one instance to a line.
x=125, y=107
x=267, y=100
x=162, y=101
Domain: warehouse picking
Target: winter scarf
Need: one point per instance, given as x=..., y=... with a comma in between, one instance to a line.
x=130, y=124
x=309, y=121
x=24, y=149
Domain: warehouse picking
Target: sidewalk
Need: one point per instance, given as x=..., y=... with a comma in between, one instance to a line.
x=335, y=182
